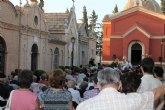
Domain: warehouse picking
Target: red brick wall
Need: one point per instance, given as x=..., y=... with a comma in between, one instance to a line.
x=106, y=41
x=119, y=26
x=152, y=24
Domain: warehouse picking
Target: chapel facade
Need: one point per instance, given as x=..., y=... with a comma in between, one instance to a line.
x=35, y=40
x=135, y=32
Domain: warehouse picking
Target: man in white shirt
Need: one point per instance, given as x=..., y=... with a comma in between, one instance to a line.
x=110, y=99
x=148, y=81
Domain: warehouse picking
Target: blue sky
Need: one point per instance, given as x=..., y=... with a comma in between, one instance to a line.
x=101, y=7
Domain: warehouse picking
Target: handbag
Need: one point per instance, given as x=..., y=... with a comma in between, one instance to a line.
x=9, y=102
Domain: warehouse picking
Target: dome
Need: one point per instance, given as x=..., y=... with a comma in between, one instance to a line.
x=149, y=4
x=129, y=4
x=152, y=5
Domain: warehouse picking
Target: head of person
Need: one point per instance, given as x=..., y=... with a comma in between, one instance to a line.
x=71, y=84
x=130, y=82
x=158, y=71
x=57, y=78
x=147, y=65
x=34, y=78
x=124, y=58
x=25, y=78
x=83, y=85
x=108, y=76
x=94, y=79
x=44, y=76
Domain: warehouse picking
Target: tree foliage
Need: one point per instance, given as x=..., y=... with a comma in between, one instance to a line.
x=67, y=11
x=85, y=17
x=93, y=20
x=94, y=27
x=41, y=4
x=99, y=44
x=162, y=4
x=115, y=9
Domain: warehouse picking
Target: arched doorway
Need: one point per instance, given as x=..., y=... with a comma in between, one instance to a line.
x=34, y=57
x=136, y=54
x=56, y=58
x=2, y=57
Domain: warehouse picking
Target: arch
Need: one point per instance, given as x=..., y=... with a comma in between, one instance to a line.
x=34, y=57
x=2, y=56
x=56, y=57
x=134, y=47
x=136, y=54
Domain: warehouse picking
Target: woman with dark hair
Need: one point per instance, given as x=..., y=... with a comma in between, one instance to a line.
x=56, y=98
x=23, y=98
x=4, y=93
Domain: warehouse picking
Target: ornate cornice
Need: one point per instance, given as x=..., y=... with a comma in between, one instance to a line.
x=136, y=28
x=13, y=27
x=27, y=28
x=9, y=26
x=56, y=41
x=138, y=8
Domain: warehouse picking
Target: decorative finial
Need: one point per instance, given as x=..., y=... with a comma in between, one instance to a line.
x=33, y=0
x=27, y=2
x=73, y=1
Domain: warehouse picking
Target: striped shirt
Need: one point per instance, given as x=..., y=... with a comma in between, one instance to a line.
x=56, y=99
x=91, y=93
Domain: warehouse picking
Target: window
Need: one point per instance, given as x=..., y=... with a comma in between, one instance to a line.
x=36, y=20
x=56, y=58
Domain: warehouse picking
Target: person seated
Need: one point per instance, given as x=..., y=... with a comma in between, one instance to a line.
x=80, y=77
x=82, y=88
x=44, y=79
x=56, y=98
x=93, y=92
x=158, y=73
x=23, y=98
x=110, y=98
x=130, y=82
x=4, y=93
x=76, y=99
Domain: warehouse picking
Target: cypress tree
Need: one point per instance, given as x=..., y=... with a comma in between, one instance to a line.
x=115, y=9
x=85, y=18
x=162, y=4
x=93, y=20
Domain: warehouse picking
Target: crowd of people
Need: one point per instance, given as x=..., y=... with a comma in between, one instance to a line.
x=93, y=88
